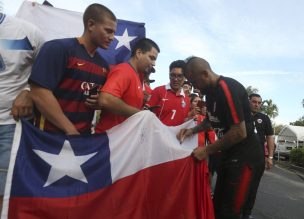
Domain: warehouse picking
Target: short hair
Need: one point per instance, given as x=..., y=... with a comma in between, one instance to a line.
x=193, y=96
x=254, y=95
x=145, y=45
x=196, y=64
x=97, y=12
x=177, y=64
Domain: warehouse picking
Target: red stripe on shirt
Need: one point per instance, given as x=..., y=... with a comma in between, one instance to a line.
x=76, y=63
x=70, y=106
x=82, y=126
x=71, y=84
x=231, y=105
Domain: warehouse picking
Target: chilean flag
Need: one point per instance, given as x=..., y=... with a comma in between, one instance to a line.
x=56, y=23
x=136, y=170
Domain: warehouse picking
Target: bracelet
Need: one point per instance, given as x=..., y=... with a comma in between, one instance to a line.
x=270, y=158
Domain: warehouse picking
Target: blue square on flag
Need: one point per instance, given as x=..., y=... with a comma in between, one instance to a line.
x=49, y=165
x=126, y=35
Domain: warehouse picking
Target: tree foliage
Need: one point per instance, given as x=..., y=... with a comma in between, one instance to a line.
x=299, y=122
x=277, y=128
x=252, y=90
x=270, y=108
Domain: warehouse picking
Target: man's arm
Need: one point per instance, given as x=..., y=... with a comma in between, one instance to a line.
x=22, y=105
x=115, y=105
x=234, y=135
x=49, y=107
x=203, y=126
x=270, y=145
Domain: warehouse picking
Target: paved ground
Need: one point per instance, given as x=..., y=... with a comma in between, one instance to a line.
x=281, y=194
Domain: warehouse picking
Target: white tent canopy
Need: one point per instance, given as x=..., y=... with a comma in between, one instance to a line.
x=292, y=134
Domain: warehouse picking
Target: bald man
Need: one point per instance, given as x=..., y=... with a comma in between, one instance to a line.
x=228, y=112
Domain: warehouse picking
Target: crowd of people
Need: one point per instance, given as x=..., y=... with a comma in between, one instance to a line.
x=61, y=83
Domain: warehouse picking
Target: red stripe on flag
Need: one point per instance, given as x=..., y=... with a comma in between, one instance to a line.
x=170, y=190
x=227, y=92
x=243, y=188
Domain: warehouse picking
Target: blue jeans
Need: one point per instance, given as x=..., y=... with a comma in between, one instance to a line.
x=6, y=140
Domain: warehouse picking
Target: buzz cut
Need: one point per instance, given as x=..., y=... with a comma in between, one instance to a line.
x=97, y=12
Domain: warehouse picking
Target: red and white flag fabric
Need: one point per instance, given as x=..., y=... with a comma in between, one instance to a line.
x=136, y=170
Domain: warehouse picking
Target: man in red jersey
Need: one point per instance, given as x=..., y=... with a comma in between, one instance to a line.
x=174, y=105
x=147, y=81
x=122, y=95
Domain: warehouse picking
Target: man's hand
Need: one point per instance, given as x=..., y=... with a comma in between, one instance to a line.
x=184, y=133
x=73, y=131
x=92, y=102
x=194, y=112
x=268, y=163
x=200, y=153
x=22, y=105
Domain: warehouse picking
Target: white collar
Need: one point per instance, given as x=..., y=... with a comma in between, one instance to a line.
x=181, y=93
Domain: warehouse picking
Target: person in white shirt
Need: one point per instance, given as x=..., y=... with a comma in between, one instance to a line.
x=20, y=42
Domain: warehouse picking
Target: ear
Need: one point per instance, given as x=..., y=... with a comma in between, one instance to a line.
x=138, y=53
x=205, y=73
x=90, y=24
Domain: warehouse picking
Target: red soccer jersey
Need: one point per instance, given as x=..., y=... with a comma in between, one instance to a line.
x=124, y=83
x=174, y=107
x=148, y=89
x=209, y=135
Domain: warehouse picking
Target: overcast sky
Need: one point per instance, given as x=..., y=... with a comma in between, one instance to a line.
x=257, y=42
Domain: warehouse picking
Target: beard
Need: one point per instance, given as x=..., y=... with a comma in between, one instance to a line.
x=207, y=90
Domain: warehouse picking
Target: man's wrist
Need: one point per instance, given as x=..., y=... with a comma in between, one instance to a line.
x=270, y=157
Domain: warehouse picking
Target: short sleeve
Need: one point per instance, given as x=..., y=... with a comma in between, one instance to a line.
x=154, y=100
x=268, y=128
x=117, y=83
x=49, y=66
x=232, y=102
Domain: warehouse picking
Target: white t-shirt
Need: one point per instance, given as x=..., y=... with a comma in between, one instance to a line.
x=20, y=42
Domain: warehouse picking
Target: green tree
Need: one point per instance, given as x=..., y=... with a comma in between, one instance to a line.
x=252, y=90
x=277, y=128
x=299, y=122
x=270, y=109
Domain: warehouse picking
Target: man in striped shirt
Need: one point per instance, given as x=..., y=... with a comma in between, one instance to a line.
x=66, y=72
x=228, y=110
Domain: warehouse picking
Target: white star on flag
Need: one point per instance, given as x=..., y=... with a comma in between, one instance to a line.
x=64, y=164
x=124, y=40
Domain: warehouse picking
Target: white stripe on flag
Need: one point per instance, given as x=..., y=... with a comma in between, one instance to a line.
x=15, y=147
x=148, y=142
